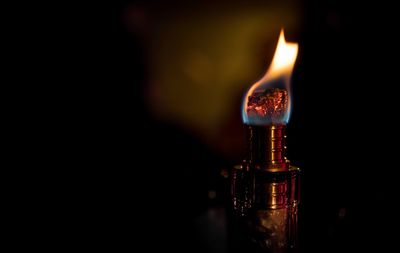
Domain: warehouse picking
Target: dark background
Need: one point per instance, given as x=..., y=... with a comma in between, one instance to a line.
x=151, y=180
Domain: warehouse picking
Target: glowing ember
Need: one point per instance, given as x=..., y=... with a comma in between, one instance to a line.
x=271, y=103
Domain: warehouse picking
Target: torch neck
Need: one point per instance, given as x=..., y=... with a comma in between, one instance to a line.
x=266, y=147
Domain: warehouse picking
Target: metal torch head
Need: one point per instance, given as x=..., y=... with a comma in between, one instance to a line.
x=267, y=148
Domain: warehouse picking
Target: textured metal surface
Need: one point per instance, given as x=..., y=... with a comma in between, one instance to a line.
x=265, y=191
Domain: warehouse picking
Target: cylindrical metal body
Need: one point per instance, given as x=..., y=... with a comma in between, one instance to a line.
x=265, y=191
x=266, y=147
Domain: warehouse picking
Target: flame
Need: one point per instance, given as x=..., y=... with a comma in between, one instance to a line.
x=268, y=100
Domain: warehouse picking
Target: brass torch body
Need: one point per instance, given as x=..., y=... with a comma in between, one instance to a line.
x=265, y=190
x=266, y=147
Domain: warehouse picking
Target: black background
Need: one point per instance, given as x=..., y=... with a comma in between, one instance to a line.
x=142, y=183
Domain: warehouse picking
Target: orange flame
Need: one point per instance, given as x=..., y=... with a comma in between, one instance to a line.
x=276, y=82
